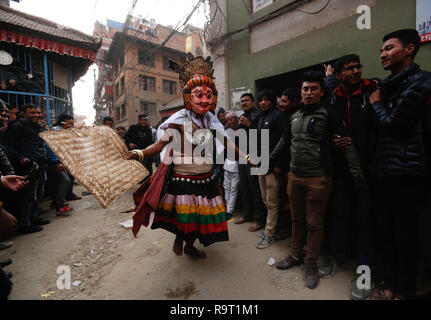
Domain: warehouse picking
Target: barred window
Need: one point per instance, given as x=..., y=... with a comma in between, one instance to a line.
x=169, y=87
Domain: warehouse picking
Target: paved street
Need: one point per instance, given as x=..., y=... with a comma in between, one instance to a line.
x=110, y=263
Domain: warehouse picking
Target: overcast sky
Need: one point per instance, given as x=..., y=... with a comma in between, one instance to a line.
x=81, y=15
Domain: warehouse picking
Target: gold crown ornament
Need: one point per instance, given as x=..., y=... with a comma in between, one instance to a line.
x=196, y=72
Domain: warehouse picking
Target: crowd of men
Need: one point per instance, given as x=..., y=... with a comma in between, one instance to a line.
x=30, y=170
x=350, y=156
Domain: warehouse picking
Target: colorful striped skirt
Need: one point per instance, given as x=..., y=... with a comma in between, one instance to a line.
x=193, y=208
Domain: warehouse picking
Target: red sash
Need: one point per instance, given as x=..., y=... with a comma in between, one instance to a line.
x=148, y=196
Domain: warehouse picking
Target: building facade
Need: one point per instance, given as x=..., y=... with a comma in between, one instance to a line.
x=270, y=43
x=40, y=62
x=142, y=75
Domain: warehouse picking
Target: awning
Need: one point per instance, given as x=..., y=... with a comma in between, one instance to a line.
x=46, y=45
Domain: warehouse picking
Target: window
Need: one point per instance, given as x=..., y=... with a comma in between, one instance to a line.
x=120, y=112
x=260, y=4
x=123, y=111
x=117, y=89
x=168, y=62
x=146, y=107
x=122, y=85
x=122, y=59
x=169, y=87
x=117, y=114
x=148, y=83
x=146, y=58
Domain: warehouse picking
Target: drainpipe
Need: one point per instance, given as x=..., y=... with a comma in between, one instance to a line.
x=47, y=95
x=70, y=87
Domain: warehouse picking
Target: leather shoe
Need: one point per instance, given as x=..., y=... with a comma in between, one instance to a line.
x=74, y=197
x=288, y=263
x=255, y=227
x=5, y=262
x=311, y=276
x=30, y=229
x=40, y=222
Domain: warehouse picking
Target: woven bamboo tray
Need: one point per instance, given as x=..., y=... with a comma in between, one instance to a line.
x=96, y=157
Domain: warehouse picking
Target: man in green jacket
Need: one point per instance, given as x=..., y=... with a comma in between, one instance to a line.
x=308, y=138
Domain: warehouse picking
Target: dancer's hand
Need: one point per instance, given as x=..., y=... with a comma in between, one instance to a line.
x=132, y=155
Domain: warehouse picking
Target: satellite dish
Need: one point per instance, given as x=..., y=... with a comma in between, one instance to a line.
x=5, y=58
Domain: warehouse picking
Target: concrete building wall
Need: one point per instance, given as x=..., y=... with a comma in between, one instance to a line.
x=133, y=94
x=219, y=26
x=266, y=52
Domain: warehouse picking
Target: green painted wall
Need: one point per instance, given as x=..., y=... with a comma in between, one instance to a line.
x=324, y=44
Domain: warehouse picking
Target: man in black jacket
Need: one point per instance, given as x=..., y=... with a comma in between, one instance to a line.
x=27, y=154
x=352, y=208
x=251, y=198
x=399, y=106
x=271, y=120
x=140, y=136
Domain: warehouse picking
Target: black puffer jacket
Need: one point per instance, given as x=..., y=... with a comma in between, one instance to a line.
x=400, y=146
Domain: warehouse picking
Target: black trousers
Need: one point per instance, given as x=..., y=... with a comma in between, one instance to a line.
x=400, y=200
x=251, y=198
x=5, y=285
x=353, y=220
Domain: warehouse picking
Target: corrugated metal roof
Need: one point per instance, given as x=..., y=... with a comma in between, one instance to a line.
x=172, y=105
x=35, y=24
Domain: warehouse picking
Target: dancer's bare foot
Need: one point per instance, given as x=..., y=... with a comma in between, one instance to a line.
x=192, y=251
x=178, y=247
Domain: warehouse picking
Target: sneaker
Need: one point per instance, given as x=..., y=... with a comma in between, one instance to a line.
x=360, y=294
x=260, y=234
x=40, y=222
x=64, y=211
x=30, y=229
x=288, y=263
x=329, y=268
x=6, y=244
x=265, y=242
x=311, y=276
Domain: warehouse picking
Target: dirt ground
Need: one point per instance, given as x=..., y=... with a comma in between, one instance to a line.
x=107, y=262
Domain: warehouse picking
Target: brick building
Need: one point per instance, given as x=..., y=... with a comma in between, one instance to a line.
x=142, y=78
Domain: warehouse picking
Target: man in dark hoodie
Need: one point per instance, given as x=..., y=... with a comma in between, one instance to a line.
x=28, y=156
x=352, y=208
x=399, y=106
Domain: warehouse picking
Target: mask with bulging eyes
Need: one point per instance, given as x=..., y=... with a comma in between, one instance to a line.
x=201, y=99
